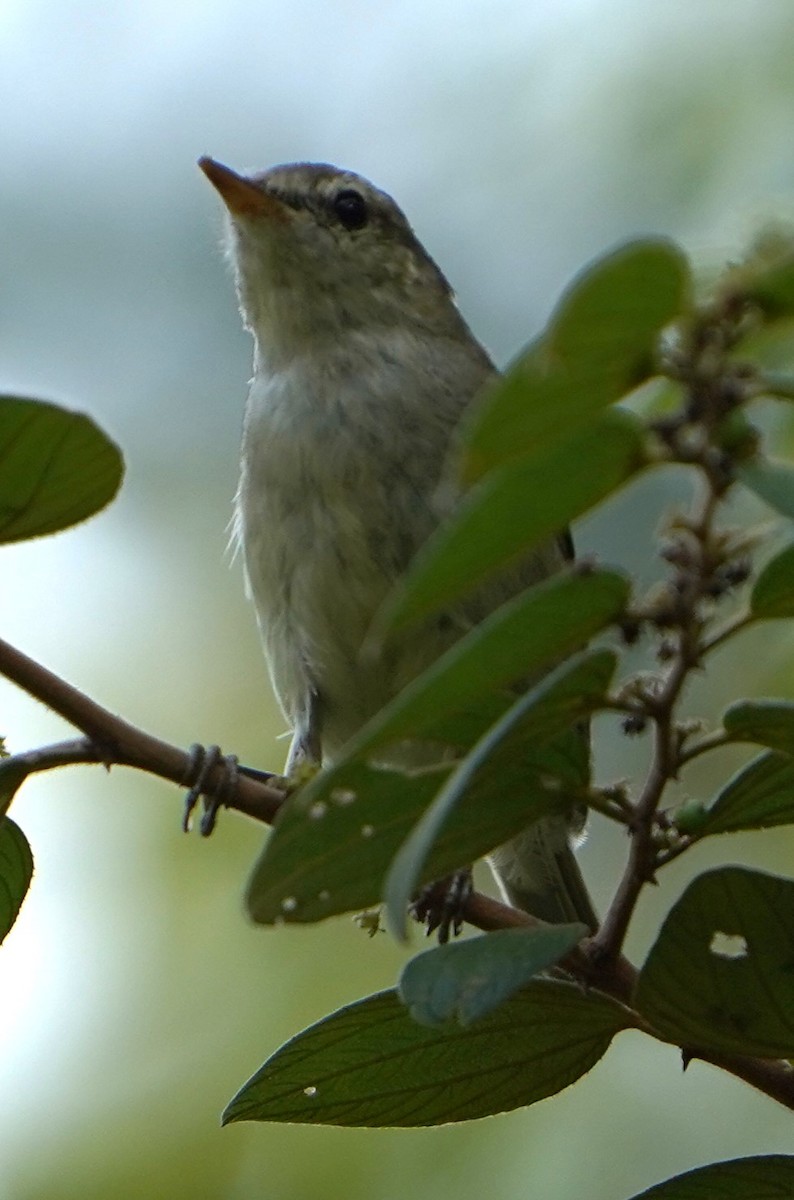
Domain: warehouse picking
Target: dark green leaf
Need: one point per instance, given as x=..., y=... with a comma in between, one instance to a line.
x=600, y=344
x=772, y=481
x=332, y=842
x=16, y=872
x=370, y=1065
x=12, y=775
x=507, y=761
x=465, y=980
x=720, y=975
x=513, y=511
x=536, y=628
x=56, y=468
x=520, y=782
x=768, y=279
x=773, y=592
x=767, y=1177
x=765, y=722
x=759, y=796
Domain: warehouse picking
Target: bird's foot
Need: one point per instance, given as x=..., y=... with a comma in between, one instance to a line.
x=439, y=906
x=203, y=761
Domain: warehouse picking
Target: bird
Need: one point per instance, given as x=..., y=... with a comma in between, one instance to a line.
x=363, y=368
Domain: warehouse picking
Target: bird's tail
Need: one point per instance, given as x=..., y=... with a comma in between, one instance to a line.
x=537, y=872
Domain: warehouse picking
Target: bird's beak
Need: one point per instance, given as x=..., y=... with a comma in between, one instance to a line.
x=242, y=196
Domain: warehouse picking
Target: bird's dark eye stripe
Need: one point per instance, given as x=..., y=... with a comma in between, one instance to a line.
x=350, y=208
x=292, y=199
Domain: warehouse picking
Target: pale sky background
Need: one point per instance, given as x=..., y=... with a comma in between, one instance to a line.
x=521, y=138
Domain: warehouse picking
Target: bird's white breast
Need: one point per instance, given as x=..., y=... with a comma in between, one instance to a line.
x=330, y=509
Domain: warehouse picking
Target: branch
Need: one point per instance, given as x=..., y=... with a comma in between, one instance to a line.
x=112, y=741
x=697, y=561
x=618, y=978
x=639, y=869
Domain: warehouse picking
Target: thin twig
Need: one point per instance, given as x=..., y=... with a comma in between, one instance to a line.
x=113, y=741
x=665, y=761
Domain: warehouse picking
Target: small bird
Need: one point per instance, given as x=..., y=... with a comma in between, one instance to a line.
x=363, y=367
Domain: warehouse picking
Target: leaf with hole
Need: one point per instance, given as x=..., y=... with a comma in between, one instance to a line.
x=370, y=1064
x=333, y=841
x=510, y=760
x=719, y=976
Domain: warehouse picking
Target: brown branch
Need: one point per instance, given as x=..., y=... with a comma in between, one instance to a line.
x=639, y=868
x=618, y=978
x=694, y=579
x=112, y=741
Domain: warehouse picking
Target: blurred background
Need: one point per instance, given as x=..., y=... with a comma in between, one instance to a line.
x=522, y=138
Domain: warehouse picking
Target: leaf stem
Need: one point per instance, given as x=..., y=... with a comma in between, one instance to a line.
x=734, y=626
x=710, y=741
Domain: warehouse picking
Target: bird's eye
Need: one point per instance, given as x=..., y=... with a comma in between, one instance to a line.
x=351, y=208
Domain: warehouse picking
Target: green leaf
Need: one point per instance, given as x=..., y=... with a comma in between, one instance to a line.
x=773, y=592
x=508, y=761
x=513, y=511
x=778, y=384
x=765, y=277
x=371, y=1065
x=771, y=480
x=333, y=840
x=600, y=344
x=56, y=468
x=538, y=627
x=759, y=796
x=769, y=281
x=719, y=976
x=12, y=775
x=520, y=782
x=466, y=980
x=765, y=722
x=766, y=1177
x=16, y=872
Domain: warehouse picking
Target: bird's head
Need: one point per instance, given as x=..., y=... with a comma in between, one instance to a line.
x=319, y=252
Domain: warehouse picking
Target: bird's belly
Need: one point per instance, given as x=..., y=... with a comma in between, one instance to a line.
x=319, y=565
